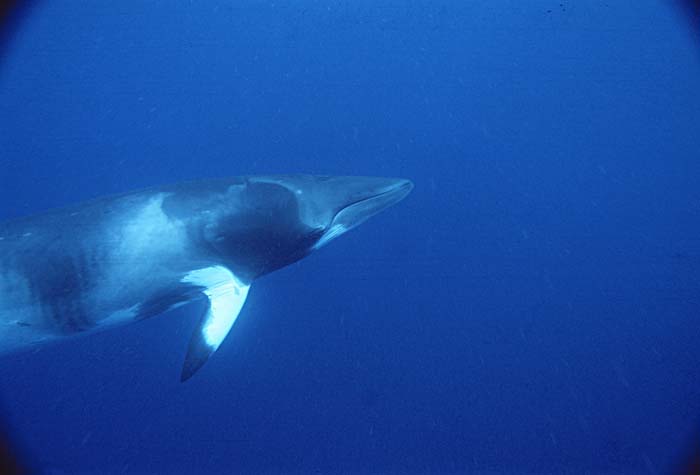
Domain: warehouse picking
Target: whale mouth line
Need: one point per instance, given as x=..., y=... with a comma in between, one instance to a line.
x=394, y=194
x=399, y=191
x=358, y=211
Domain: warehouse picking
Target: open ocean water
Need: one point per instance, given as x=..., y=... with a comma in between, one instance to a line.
x=533, y=306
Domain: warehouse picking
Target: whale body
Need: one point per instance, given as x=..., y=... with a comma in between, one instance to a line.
x=124, y=258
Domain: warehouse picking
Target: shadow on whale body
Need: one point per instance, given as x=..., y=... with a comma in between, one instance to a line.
x=124, y=258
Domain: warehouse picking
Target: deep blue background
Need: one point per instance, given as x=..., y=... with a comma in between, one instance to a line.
x=533, y=305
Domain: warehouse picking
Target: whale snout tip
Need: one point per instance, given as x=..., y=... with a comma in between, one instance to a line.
x=397, y=189
x=404, y=186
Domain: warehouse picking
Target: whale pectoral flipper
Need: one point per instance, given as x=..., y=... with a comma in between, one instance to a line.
x=226, y=295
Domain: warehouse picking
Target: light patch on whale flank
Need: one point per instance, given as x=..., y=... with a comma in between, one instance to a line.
x=150, y=230
x=142, y=241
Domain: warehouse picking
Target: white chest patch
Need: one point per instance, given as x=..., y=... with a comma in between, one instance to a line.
x=335, y=231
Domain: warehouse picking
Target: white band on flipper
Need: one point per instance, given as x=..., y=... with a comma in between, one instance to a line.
x=226, y=294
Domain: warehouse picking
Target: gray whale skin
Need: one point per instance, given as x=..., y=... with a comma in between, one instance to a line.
x=124, y=258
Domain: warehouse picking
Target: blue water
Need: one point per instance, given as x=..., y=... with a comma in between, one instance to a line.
x=533, y=306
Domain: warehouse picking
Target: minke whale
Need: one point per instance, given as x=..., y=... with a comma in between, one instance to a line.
x=124, y=258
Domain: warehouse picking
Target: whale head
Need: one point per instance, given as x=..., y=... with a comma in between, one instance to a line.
x=263, y=223
x=332, y=205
